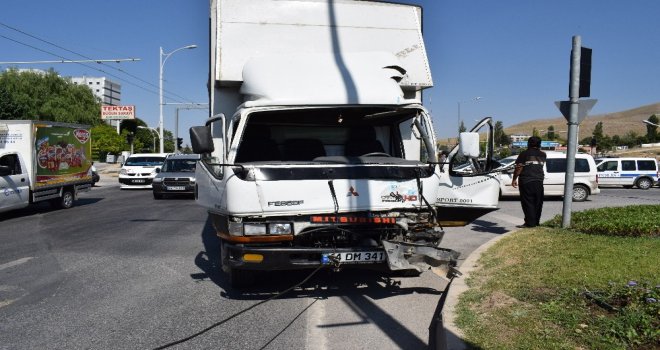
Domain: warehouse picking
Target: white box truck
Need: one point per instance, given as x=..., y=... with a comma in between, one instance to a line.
x=41, y=160
x=318, y=148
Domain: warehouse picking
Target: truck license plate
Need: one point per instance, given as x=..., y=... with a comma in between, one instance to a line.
x=176, y=188
x=355, y=257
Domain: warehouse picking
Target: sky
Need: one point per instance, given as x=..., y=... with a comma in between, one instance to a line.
x=513, y=54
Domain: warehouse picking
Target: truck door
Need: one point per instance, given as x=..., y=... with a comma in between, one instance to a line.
x=14, y=183
x=469, y=188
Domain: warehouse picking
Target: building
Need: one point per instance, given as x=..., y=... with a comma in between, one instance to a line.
x=519, y=138
x=106, y=90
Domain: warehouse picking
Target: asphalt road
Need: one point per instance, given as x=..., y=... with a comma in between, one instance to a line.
x=121, y=270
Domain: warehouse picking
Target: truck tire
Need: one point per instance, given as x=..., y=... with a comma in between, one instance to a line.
x=238, y=278
x=66, y=201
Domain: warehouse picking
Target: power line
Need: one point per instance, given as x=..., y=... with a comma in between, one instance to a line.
x=81, y=55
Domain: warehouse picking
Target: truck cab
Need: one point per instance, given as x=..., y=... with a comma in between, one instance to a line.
x=319, y=150
x=14, y=182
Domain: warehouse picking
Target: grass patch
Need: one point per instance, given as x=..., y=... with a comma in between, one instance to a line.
x=548, y=288
x=631, y=221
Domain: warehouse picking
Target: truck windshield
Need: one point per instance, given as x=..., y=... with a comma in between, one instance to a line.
x=144, y=161
x=179, y=165
x=322, y=135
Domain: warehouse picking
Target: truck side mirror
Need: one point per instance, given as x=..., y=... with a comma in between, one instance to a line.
x=469, y=144
x=201, y=139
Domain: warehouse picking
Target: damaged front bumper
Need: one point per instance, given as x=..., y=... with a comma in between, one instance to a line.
x=398, y=257
x=418, y=257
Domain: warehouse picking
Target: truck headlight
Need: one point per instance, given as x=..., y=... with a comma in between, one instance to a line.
x=254, y=229
x=279, y=229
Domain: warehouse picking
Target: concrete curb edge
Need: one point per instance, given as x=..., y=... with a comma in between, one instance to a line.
x=459, y=285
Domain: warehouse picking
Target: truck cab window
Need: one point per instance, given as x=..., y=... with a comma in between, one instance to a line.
x=11, y=161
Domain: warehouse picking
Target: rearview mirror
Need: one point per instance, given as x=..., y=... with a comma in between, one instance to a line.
x=469, y=144
x=201, y=139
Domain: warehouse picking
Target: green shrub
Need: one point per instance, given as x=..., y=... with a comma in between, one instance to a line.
x=631, y=221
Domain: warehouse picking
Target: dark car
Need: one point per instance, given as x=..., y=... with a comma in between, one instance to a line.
x=176, y=177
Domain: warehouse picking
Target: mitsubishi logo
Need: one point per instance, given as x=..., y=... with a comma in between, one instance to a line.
x=352, y=192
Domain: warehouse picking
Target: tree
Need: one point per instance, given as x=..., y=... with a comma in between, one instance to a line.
x=652, y=130
x=598, y=132
x=550, y=135
x=497, y=133
x=46, y=96
x=106, y=140
x=536, y=133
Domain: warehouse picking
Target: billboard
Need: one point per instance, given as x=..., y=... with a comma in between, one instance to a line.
x=117, y=112
x=63, y=155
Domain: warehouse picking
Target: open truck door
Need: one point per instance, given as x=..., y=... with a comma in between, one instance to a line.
x=469, y=188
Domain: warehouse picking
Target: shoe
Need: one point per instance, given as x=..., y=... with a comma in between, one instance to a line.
x=524, y=226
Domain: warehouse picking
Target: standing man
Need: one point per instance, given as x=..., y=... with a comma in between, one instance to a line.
x=529, y=167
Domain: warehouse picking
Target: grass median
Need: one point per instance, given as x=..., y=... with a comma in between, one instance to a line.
x=550, y=288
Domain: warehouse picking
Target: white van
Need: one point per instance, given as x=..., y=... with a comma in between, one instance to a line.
x=628, y=172
x=139, y=170
x=585, y=179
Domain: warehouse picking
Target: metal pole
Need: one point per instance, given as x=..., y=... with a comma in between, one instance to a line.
x=176, y=131
x=160, y=94
x=572, y=131
x=458, y=121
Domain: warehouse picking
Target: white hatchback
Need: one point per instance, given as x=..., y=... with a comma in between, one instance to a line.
x=585, y=178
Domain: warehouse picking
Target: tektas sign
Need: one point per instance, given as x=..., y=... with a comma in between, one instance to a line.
x=117, y=112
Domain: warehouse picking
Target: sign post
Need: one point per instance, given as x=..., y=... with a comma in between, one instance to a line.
x=574, y=112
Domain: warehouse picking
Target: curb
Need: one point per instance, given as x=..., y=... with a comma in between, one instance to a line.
x=454, y=334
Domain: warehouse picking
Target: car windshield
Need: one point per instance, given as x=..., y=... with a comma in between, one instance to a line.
x=144, y=161
x=179, y=165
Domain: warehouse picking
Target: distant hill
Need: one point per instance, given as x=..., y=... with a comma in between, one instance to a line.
x=617, y=123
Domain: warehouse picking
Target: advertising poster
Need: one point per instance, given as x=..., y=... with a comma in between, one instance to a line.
x=63, y=155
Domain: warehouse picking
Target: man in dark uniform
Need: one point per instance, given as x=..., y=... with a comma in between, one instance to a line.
x=529, y=167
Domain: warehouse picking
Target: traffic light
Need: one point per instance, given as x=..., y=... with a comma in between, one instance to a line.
x=130, y=137
x=179, y=142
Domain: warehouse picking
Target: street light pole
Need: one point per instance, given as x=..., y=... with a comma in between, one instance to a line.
x=475, y=99
x=160, y=88
x=154, y=138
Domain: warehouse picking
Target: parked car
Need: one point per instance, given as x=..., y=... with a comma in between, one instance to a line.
x=139, y=170
x=628, y=172
x=585, y=180
x=176, y=177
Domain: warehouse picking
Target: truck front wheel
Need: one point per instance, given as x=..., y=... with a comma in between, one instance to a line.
x=238, y=278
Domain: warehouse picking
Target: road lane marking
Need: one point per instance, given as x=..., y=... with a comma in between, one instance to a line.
x=15, y=263
x=316, y=335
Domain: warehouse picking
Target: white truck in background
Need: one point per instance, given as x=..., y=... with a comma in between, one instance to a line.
x=41, y=160
x=318, y=148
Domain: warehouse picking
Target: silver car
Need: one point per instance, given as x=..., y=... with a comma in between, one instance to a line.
x=176, y=177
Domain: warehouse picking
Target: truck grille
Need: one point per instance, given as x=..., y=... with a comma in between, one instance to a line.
x=173, y=181
x=347, y=236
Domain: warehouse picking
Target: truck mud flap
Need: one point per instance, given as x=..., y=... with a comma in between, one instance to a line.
x=419, y=257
